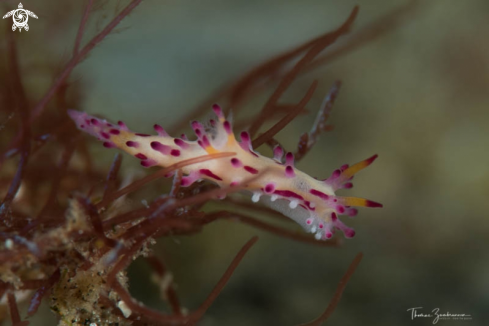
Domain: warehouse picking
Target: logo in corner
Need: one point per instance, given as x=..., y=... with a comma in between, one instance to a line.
x=20, y=16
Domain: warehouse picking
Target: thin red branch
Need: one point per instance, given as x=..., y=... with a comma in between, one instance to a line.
x=41, y=140
x=134, y=214
x=161, y=218
x=271, y=228
x=127, y=257
x=287, y=119
x=86, y=157
x=170, y=293
x=21, y=104
x=364, y=36
x=257, y=79
x=177, y=182
x=3, y=288
x=160, y=174
x=14, y=311
x=37, y=297
x=96, y=222
x=250, y=206
x=270, y=71
x=58, y=172
x=308, y=140
x=289, y=77
x=339, y=291
x=158, y=223
x=197, y=314
x=110, y=183
x=81, y=28
x=368, y=34
x=153, y=315
x=41, y=105
x=280, y=111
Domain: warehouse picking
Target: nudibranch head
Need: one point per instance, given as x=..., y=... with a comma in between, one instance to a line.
x=276, y=182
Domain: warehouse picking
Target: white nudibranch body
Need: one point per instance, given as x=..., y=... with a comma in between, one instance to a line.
x=276, y=182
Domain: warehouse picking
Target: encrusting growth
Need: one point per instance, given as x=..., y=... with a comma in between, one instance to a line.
x=276, y=182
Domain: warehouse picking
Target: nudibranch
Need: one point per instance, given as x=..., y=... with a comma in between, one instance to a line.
x=310, y=202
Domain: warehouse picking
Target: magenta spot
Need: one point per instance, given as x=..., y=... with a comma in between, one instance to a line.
x=217, y=110
x=205, y=141
x=209, y=173
x=371, y=159
x=234, y=184
x=328, y=235
x=82, y=126
x=94, y=122
x=184, y=137
x=334, y=217
x=340, y=209
x=236, y=162
x=348, y=185
x=321, y=225
x=335, y=200
x=141, y=156
x=108, y=124
x=87, y=121
x=308, y=203
x=114, y=131
x=349, y=233
x=269, y=188
x=108, y=144
x=344, y=167
x=245, y=136
x=288, y=193
x=159, y=129
x=336, y=174
x=289, y=171
x=278, y=152
x=131, y=143
x=142, y=135
x=185, y=182
x=175, y=152
x=105, y=135
x=250, y=169
x=289, y=158
x=121, y=124
x=309, y=221
x=370, y=203
x=212, y=122
x=227, y=127
x=352, y=211
x=197, y=127
x=163, y=149
x=148, y=163
x=180, y=143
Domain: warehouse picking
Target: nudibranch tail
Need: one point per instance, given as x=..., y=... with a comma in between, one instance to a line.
x=276, y=182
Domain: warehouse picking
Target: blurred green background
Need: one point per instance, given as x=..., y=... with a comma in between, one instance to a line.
x=417, y=97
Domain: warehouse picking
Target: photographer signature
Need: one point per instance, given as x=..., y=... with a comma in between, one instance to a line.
x=436, y=315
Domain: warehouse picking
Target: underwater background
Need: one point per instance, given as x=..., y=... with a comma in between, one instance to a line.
x=417, y=96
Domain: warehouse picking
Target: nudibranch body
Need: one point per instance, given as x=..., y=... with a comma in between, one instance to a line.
x=275, y=182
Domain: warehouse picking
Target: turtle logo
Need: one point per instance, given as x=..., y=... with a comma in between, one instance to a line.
x=20, y=16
